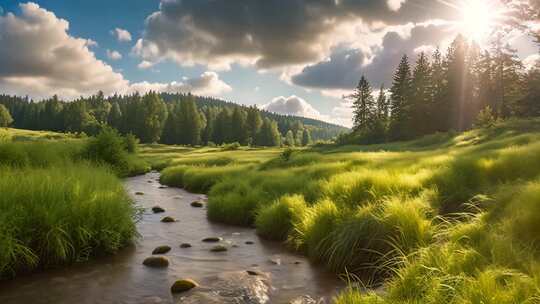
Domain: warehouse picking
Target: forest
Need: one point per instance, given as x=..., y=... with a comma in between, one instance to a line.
x=168, y=118
x=455, y=91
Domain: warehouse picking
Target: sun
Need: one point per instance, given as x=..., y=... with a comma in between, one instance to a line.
x=479, y=19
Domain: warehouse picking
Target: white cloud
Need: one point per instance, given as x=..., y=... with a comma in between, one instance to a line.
x=114, y=55
x=145, y=65
x=532, y=61
x=39, y=58
x=292, y=105
x=121, y=34
x=395, y=5
x=207, y=84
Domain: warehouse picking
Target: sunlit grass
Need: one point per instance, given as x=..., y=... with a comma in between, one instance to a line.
x=448, y=218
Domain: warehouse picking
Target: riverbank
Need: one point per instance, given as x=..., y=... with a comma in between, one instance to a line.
x=446, y=218
x=61, y=199
x=123, y=278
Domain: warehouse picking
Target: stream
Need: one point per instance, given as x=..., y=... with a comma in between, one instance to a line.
x=280, y=276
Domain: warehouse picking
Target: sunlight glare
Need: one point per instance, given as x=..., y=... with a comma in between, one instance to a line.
x=478, y=19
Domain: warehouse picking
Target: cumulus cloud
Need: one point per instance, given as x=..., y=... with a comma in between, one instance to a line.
x=532, y=61
x=114, y=55
x=207, y=84
x=344, y=67
x=39, y=58
x=292, y=105
x=270, y=33
x=145, y=65
x=121, y=34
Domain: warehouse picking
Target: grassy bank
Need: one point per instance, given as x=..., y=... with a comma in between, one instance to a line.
x=62, y=201
x=449, y=218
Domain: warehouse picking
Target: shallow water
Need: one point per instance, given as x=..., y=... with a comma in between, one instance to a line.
x=123, y=279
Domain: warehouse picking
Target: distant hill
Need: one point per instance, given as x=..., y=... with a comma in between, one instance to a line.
x=319, y=129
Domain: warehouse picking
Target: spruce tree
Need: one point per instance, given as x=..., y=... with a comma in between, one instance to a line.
x=306, y=138
x=238, y=128
x=363, y=105
x=289, y=139
x=253, y=124
x=400, y=101
x=457, y=77
x=382, y=105
x=508, y=79
x=439, y=105
x=421, y=97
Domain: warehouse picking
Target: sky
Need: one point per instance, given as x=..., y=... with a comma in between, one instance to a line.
x=288, y=56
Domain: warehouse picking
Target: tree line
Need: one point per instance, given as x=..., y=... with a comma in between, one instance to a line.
x=165, y=118
x=444, y=93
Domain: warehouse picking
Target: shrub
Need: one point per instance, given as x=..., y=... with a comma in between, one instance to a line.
x=131, y=142
x=230, y=147
x=275, y=221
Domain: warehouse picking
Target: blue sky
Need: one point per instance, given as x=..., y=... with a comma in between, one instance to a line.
x=294, y=57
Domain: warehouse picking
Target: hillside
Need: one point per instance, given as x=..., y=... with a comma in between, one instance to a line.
x=284, y=121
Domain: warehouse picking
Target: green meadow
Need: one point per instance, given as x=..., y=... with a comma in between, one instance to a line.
x=448, y=218
x=61, y=199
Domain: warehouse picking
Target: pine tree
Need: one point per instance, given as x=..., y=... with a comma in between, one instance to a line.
x=439, y=103
x=400, y=101
x=153, y=112
x=238, y=128
x=115, y=117
x=253, y=124
x=457, y=77
x=421, y=97
x=363, y=105
x=289, y=139
x=306, y=138
x=269, y=135
x=486, y=77
x=382, y=105
x=191, y=122
x=508, y=79
x=222, y=127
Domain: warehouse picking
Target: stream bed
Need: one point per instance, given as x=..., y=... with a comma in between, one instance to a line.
x=280, y=276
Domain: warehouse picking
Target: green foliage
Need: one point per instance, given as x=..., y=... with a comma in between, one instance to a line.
x=5, y=117
x=485, y=118
x=276, y=220
x=60, y=214
x=131, y=143
x=109, y=148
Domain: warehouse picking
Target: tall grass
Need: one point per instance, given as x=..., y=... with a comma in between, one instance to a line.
x=60, y=214
x=61, y=201
x=449, y=218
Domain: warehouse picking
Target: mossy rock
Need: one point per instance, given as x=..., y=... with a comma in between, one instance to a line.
x=212, y=239
x=219, y=248
x=156, y=262
x=183, y=285
x=157, y=209
x=168, y=219
x=197, y=204
x=161, y=250
x=185, y=245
